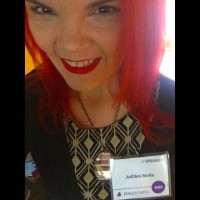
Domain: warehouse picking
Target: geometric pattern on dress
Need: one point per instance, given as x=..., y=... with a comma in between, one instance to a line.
x=122, y=138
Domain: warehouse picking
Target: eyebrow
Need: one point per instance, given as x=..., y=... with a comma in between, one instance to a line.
x=99, y=2
x=39, y=4
x=36, y=2
x=96, y=3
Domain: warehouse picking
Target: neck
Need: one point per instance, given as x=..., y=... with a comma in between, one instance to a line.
x=104, y=92
x=97, y=97
x=99, y=104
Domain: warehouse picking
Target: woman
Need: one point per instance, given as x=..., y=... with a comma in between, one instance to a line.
x=96, y=88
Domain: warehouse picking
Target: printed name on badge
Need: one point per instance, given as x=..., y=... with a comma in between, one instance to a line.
x=140, y=177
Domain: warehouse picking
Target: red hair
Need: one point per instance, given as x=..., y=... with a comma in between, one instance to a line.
x=143, y=36
x=55, y=87
x=143, y=32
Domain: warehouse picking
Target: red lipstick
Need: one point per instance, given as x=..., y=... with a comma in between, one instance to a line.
x=81, y=70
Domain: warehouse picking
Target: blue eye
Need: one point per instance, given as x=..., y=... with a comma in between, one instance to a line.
x=106, y=10
x=41, y=10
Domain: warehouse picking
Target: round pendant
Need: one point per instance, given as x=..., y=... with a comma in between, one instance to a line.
x=102, y=166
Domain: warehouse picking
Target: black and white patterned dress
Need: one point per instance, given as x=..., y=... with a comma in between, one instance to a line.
x=122, y=138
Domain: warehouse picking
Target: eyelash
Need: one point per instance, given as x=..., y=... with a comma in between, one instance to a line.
x=102, y=10
x=106, y=10
x=42, y=10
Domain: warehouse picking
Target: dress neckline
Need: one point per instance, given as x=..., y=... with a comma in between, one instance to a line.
x=78, y=126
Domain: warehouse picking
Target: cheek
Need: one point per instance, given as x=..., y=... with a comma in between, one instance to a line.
x=109, y=40
x=43, y=37
x=107, y=35
x=111, y=46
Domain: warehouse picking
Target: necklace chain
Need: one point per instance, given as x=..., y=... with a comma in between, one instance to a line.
x=104, y=154
x=84, y=110
x=87, y=115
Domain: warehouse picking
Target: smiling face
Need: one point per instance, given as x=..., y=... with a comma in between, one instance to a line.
x=81, y=38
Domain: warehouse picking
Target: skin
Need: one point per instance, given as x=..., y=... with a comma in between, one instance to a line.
x=80, y=30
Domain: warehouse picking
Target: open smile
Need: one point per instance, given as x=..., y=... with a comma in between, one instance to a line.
x=81, y=67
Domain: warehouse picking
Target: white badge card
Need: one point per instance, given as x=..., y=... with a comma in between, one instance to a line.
x=140, y=177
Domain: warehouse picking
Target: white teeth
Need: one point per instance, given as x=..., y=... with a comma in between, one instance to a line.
x=73, y=64
x=79, y=64
x=84, y=63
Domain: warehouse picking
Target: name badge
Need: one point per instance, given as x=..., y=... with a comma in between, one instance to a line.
x=141, y=177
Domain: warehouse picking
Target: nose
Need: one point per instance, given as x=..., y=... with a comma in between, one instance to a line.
x=74, y=36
